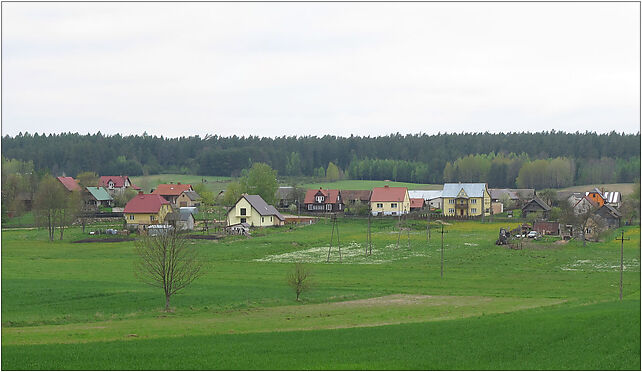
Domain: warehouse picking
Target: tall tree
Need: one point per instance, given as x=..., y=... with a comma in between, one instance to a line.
x=49, y=200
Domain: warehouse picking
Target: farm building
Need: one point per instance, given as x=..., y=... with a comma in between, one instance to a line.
x=146, y=209
x=252, y=209
x=518, y=197
x=323, y=200
x=116, y=184
x=352, y=197
x=613, y=198
x=596, y=197
x=466, y=199
x=242, y=228
x=389, y=201
x=547, y=228
x=538, y=207
x=182, y=219
x=417, y=204
x=610, y=217
x=432, y=197
x=286, y=195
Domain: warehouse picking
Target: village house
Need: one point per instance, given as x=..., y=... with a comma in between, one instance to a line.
x=146, y=209
x=116, y=184
x=432, y=197
x=323, y=200
x=69, y=183
x=252, y=209
x=612, y=198
x=584, y=205
x=171, y=192
x=596, y=197
x=96, y=197
x=537, y=207
x=188, y=199
x=466, y=199
x=389, y=201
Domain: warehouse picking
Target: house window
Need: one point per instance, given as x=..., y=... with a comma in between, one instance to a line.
x=379, y=205
x=131, y=216
x=393, y=205
x=152, y=218
x=473, y=210
x=451, y=201
x=270, y=218
x=474, y=201
x=320, y=199
x=310, y=207
x=328, y=207
x=243, y=220
x=243, y=212
x=451, y=210
x=262, y=219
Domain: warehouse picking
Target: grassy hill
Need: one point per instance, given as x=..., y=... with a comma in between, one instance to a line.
x=214, y=183
x=549, y=306
x=623, y=188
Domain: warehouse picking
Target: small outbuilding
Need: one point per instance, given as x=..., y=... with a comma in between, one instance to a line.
x=536, y=206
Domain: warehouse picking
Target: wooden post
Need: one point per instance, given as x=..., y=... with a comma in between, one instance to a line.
x=331, y=239
x=369, y=244
x=442, y=249
x=428, y=224
x=621, y=239
x=338, y=240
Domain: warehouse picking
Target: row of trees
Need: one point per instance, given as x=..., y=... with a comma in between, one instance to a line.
x=72, y=153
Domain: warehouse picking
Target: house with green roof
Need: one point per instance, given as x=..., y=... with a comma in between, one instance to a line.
x=95, y=197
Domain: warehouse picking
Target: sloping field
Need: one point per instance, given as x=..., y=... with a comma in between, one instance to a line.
x=392, y=309
x=623, y=188
x=603, y=336
x=369, y=185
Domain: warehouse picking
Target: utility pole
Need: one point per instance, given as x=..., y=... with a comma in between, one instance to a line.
x=428, y=224
x=334, y=224
x=442, y=249
x=621, y=239
x=369, y=246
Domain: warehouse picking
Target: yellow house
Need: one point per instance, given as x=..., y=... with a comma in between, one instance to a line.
x=253, y=210
x=389, y=201
x=466, y=199
x=147, y=209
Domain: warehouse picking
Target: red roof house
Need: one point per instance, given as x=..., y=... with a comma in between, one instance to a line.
x=116, y=182
x=171, y=191
x=70, y=183
x=147, y=209
x=389, y=201
x=323, y=200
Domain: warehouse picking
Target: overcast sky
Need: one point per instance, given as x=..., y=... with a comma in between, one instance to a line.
x=273, y=69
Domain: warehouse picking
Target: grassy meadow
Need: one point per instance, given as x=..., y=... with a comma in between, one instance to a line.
x=549, y=306
x=213, y=183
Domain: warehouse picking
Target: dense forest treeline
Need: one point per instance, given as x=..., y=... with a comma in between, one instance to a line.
x=503, y=160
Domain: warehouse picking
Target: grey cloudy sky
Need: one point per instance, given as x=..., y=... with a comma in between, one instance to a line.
x=273, y=69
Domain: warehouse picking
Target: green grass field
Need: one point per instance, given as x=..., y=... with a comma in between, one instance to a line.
x=368, y=185
x=551, y=306
x=214, y=183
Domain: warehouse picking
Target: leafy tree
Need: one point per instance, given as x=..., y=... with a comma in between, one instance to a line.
x=207, y=197
x=293, y=167
x=333, y=172
x=86, y=179
x=233, y=193
x=121, y=199
x=261, y=180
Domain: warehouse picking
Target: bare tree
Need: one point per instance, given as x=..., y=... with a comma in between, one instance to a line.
x=299, y=279
x=48, y=202
x=68, y=211
x=166, y=261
